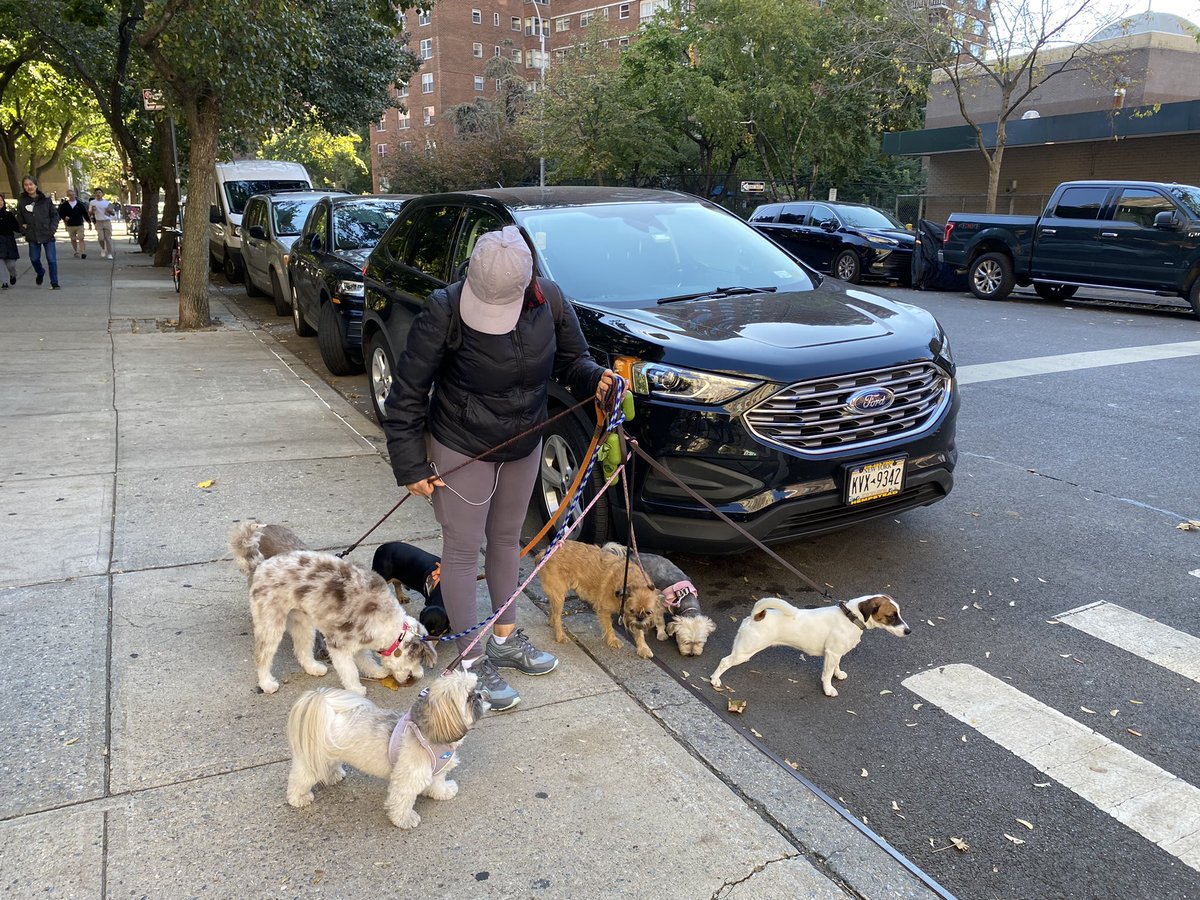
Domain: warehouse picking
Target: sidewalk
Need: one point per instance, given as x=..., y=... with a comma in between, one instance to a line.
x=138, y=759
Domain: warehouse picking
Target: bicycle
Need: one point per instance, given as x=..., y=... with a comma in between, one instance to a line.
x=132, y=228
x=176, y=254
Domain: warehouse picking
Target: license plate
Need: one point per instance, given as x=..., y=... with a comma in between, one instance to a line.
x=874, y=481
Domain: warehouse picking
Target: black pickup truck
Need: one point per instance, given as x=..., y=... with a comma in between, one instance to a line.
x=1128, y=235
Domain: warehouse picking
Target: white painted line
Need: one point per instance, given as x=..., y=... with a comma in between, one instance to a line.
x=1162, y=808
x=1121, y=627
x=1071, y=362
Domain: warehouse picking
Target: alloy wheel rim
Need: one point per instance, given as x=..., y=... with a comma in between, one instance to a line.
x=381, y=377
x=987, y=277
x=845, y=268
x=556, y=472
x=295, y=310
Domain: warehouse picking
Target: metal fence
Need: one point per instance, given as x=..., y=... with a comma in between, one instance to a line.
x=937, y=207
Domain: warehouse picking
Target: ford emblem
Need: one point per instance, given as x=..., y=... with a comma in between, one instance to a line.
x=870, y=400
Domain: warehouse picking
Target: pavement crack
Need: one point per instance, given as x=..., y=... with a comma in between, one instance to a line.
x=727, y=888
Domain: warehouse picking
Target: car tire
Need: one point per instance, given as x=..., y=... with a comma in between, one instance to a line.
x=299, y=323
x=563, y=444
x=1194, y=297
x=282, y=307
x=1055, y=291
x=251, y=289
x=331, y=340
x=991, y=276
x=379, y=374
x=232, y=270
x=848, y=267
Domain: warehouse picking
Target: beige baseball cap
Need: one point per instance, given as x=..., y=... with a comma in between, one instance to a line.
x=501, y=268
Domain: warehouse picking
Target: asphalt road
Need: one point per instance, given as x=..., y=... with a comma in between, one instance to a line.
x=1069, y=488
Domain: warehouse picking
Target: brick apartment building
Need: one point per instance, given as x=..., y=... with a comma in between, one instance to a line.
x=456, y=39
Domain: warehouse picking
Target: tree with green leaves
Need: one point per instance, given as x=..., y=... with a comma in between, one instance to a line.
x=334, y=161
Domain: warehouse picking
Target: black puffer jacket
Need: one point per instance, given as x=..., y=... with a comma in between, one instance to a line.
x=488, y=389
x=39, y=217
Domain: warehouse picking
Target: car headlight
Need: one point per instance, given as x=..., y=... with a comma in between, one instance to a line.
x=674, y=383
x=350, y=288
x=887, y=242
x=941, y=347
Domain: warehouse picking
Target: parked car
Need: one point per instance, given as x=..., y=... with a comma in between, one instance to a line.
x=326, y=273
x=234, y=183
x=794, y=407
x=1128, y=235
x=270, y=225
x=848, y=240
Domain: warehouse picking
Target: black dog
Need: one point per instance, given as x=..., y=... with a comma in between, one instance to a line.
x=414, y=569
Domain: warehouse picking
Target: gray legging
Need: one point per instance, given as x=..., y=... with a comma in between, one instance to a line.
x=481, y=500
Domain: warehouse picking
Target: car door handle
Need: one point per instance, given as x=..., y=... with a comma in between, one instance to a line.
x=1049, y=231
x=1108, y=234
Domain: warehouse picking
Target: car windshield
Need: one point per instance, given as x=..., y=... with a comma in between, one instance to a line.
x=867, y=217
x=359, y=226
x=239, y=192
x=290, y=215
x=632, y=253
x=1190, y=198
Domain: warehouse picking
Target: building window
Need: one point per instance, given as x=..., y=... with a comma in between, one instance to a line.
x=405, y=121
x=406, y=146
x=531, y=26
x=477, y=51
x=585, y=19
x=479, y=82
x=623, y=11
x=403, y=90
x=424, y=18
x=534, y=59
x=381, y=150
x=649, y=7
x=562, y=24
x=977, y=27
x=497, y=84
x=623, y=42
x=516, y=56
x=496, y=19
x=429, y=117
x=561, y=54
x=426, y=48
x=604, y=14
x=381, y=125
x=476, y=17
x=515, y=23
x=497, y=53
x=427, y=83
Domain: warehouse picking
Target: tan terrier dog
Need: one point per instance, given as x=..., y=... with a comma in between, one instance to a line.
x=597, y=578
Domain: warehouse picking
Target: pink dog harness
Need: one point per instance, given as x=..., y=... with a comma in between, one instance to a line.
x=677, y=594
x=439, y=754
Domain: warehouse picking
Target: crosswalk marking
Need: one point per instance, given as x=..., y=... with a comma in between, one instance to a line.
x=1161, y=807
x=1160, y=644
x=1070, y=362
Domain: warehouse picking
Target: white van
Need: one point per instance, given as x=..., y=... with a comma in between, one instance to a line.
x=237, y=182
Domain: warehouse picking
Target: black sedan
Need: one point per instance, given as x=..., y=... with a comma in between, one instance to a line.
x=325, y=271
x=849, y=240
x=795, y=408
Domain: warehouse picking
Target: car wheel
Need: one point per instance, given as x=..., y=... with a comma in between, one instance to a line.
x=1055, y=291
x=299, y=323
x=251, y=289
x=232, y=270
x=563, y=446
x=379, y=373
x=991, y=276
x=282, y=307
x=1194, y=297
x=848, y=267
x=331, y=339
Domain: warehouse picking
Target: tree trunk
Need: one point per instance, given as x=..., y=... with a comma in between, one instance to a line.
x=166, y=169
x=148, y=226
x=993, y=194
x=203, y=116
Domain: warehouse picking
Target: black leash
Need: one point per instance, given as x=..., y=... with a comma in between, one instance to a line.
x=663, y=470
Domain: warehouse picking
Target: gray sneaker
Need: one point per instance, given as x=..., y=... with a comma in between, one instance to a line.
x=518, y=653
x=496, y=691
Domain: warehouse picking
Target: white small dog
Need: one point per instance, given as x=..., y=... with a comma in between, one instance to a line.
x=328, y=728
x=830, y=631
x=683, y=617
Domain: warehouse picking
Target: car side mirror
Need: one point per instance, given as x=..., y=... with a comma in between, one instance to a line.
x=257, y=232
x=214, y=215
x=1166, y=220
x=314, y=243
x=830, y=225
x=460, y=271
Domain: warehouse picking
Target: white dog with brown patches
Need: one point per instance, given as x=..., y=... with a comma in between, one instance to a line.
x=830, y=631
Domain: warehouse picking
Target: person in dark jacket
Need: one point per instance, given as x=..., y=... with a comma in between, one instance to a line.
x=39, y=220
x=9, y=252
x=74, y=214
x=487, y=347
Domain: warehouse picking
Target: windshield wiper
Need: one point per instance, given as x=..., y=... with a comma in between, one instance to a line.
x=719, y=292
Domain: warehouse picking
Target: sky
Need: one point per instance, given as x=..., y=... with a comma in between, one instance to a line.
x=1115, y=9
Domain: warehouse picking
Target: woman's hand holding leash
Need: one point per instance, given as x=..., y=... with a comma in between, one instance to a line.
x=425, y=486
x=608, y=381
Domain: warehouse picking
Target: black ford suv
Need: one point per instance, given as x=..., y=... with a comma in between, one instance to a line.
x=795, y=406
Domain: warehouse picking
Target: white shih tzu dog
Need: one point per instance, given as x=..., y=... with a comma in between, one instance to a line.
x=328, y=728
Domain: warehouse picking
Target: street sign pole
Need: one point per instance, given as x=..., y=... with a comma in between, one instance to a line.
x=175, y=163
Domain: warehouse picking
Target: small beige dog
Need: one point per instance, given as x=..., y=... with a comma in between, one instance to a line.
x=684, y=618
x=829, y=631
x=597, y=578
x=328, y=728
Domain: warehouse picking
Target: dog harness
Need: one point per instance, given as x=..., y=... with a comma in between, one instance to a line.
x=682, y=599
x=439, y=754
x=862, y=626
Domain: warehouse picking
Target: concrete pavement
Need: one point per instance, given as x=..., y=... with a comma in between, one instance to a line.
x=138, y=759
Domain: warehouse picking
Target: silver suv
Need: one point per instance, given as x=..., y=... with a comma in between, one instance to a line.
x=270, y=225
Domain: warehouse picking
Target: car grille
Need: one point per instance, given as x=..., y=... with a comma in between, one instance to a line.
x=813, y=417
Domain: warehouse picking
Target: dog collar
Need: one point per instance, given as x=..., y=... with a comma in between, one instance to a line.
x=862, y=626
x=396, y=643
x=674, y=595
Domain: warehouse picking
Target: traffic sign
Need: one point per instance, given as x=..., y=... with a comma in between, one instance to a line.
x=152, y=99
x=753, y=187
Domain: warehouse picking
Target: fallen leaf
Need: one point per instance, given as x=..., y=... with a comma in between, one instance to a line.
x=960, y=845
x=864, y=774
x=977, y=606
x=910, y=724
x=918, y=705
x=390, y=683
x=964, y=607
x=1015, y=840
x=1016, y=580
x=987, y=654
x=881, y=693
x=1028, y=825
x=792, y=764
x=895, y=806
x=1138, y=702
x=1134, y=733
x=1053, y=622
x=318, y=876
x=1089, y=711
x=852, y=712
x=1065, y=655
x=70, y=742
x=686, y=675
x=736, y=706
x=1113, y=712
x=864, y=818
x=1041, y=784
x=1012, y=602
x=1042, y=580
x=1189, y=525
x=207, y=484
x=964, y=738
x=929, y=622
x=755, y=733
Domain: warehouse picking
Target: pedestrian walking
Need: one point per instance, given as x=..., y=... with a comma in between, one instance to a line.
x=487, y=346
x=38, y=217
x=9, y=252
x=74, y=214
x=103, y=212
